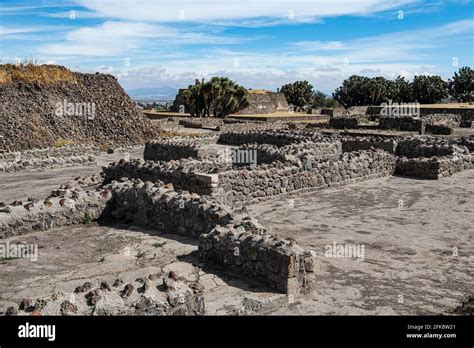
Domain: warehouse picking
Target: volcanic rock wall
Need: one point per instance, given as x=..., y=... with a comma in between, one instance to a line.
x=245, y=186
x=433, y=167
x=260, y=102
x=40, y=159
x=91, y=109
x=264, y=102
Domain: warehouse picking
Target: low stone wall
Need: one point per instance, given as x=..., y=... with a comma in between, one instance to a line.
x=350, y=144
x=279, y=263
x=279, y=138
x=240, y=126
x=326, y=149
x=323, y=149
x=402, y=123
x=154, y=294
x=159, y=207
x=40, y=159
x=434, y=167
x=245, y=186
x=438, y=129
x=468, y=143
x=352, y=112
x=167, y=151
x=343, y=122
x=419, y=147
x=466, y=114
x=448, y=120
x=63, y=208
x=205, y=122
x=186, y=174
x=233, y=241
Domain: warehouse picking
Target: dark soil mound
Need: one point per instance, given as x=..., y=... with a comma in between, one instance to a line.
x=90, y=109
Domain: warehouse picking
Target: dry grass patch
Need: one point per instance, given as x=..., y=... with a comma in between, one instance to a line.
x=63, y=142
x=30, y=72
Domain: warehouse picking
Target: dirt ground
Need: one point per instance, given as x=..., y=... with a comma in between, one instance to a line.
x=418, y=240
x=39, y=184
x=68, y=257
x=417, y=237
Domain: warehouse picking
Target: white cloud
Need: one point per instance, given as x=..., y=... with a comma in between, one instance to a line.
x=320, y=45
x=11, y=31
x=115, y=38
x=218, y=10
x=386, y=55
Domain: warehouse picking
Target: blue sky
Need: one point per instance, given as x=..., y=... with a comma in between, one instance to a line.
x=260, y=44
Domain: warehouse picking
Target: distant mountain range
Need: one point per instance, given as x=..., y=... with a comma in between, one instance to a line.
x=153, y=93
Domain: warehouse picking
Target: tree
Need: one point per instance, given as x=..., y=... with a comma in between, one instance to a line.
x=379, y=89
x=461, y=86
x=219, y=97
x=299, y=93
x=353, y=92
x=403, y=92
x=193, y=99
x=360, y=90
x=428, y=89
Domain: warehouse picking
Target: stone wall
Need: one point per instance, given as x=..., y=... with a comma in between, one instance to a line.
x=402, y=123
x=264, y=102
x=204, y=122
x=153, y=294
x=350, y=144
x=185, y=174
x=323, y=150
x=433, y=167
x=448, y=120
x=419, y=147
x=438, y=129
x=63, y=208
x=466, y=114
x=229, y=240
x=343, y=122
x=260, y=102
x=278, y=138
x=279, y=263
x=162, y=151
x=263, y=182
x=159, y=207
x=40, y=159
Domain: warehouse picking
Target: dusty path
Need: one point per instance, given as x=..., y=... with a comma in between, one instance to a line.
x=40, y=184
x=410, y=264
x=70, y=256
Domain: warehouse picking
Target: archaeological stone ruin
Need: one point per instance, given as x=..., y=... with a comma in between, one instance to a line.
x=196, y=178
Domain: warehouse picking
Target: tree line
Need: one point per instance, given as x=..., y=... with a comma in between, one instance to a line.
x=220, y=96
x=361, y=90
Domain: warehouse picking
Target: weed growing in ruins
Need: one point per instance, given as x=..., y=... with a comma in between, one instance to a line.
x=88, y=219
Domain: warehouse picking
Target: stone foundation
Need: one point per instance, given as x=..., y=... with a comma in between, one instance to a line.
x=434, y=167
x=232, y=241
x=343, y=122
x=48, y=158
x=402, y=123
x=64, y=208
x=281, y=264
